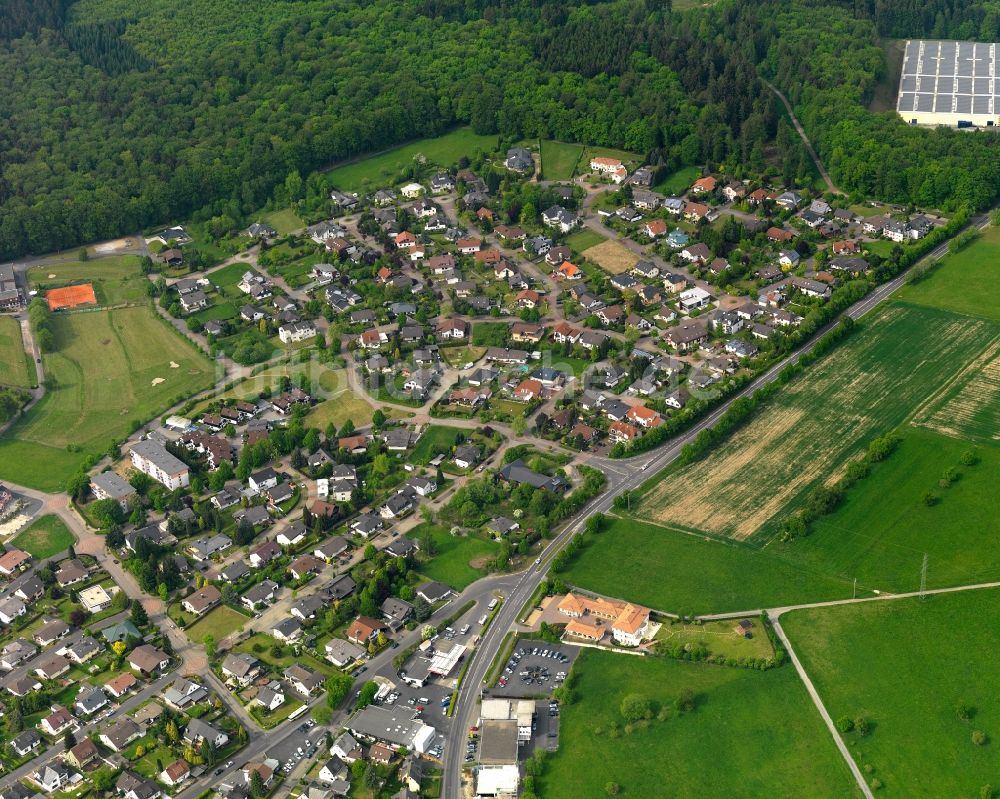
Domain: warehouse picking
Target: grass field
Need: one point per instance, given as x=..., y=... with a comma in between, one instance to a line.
x=434, y=438
x=44, y=537
x=105, y=371
x=14, y=362
x=966, y=282
x=284, y=221
x=867, y=386
x=612, y=256
x=584, y=239
x=455, y=555
x=882, y=530
x=751, y=734
x=220, y=622
x=677, y=572
x=905, y=666
x=680, y=181
x=377, y=170
x=117, y=279
x=720, y=638
x=559, y=159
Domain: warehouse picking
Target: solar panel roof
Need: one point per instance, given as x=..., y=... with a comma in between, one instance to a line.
x=950, y=77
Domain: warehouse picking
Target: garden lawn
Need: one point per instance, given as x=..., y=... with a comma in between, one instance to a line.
x=220, y=622
x=631, y=160
x=228, y=277
x=287, y=658
x=751, y=734
x=678, y=182
x=677, y=572
x=284, y=221
x=14, y=361
x=454, y=555
x=584, y=239
x=459, y=356
x=559, y=159
x=44, y=537
x=218, y=312
x=117, y=279
x=435, y=438
x=966, y=282
x=906, y=665
x=103, y=372
x=384, y=168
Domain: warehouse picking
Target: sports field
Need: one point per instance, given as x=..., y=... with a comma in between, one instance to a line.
x=13, y=360
x=117, y=279
x=378, y=170
x=559, y=159
x=804, y=435
x=907, y=666
x=67, y=297
x=751, y=734
x=966, y=282
x=109, y=368
x=612, y=256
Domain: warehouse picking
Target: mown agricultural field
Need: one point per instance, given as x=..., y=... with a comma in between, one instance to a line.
x=378, y=170
x=969, y=406
x=109, y=368
x=117, y=279
x=967, y=282
x=750, y=734
x=867, y=386
x=559, y=159
x=912, y=668
x=14, y=362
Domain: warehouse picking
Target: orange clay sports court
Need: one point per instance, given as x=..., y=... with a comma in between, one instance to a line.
x=71, y=297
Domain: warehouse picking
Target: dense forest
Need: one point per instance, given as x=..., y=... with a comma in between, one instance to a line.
x=121, y=114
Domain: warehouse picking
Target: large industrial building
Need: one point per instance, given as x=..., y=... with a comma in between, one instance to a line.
x=950, y=83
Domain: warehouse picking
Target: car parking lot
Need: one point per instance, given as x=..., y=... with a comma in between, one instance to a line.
x=534, y=668
x=305, y=745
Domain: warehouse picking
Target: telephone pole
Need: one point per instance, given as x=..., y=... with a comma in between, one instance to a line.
x=923, y=577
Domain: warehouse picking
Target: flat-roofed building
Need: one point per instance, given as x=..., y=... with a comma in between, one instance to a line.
x=949, y=83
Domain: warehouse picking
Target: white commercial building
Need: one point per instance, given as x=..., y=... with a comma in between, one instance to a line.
x=498, y=781
x=950, y=83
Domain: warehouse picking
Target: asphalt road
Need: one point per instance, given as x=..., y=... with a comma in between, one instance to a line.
x=622, y=476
